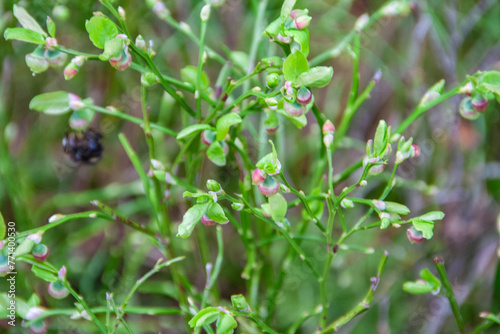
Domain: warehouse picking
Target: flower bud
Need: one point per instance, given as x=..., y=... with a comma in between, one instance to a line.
x=40, y=252
x=34, y=312
x=328, y=128
x=294, y=109
x=380, y=205
x=273, y=80
x=414, y=235
x=258, y=176
x=272, y=103
x=123, y=61
x=466, y=89
x=55, y=58
x=50, y=43
x=62, y=273
x=208, y=136
x=140, y=43
x=75, y=102
x=207, y=221
x=36, y=61
x=269, y=187
x=328, y=140
x=284, y=39
x=73, y=67
x=361, y=22
x=35, y=237
x=347, y=203
x=479, y=102
x=375, y=170
x=289, y=88
x=38, y=327
x=121, y=11
x=304, y=96
x=240, y=303
x=214, y=186
x=466, y=109
x=160, y=10
x=414, y=151
x=149, y=79
x=205, y=13
x=237, y=206
x=58, y=290
x=300, y=19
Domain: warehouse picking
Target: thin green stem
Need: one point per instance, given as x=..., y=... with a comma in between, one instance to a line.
x=448, y=292
x=203, y=30
x=119, y=317
x=212, y=279
x=252, y=316
x=85, y=306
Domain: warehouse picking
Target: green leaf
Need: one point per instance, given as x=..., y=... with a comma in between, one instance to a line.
x=381, y=138
x=44, y=274
x=216, y=154
x=51, y=26
x=216, y=213
x=225, y=122
x=432, y=280
x=192, y=129
x=318, y=76
x=396, y=208
x=286, y=9
x=226, y=324
x=299, y=122
x=189, y=75
x=27, y=21
x=417, y=288
x=24, y=247
x=112, y=48
x=490, y=81
x=278, y=206
x=100, y=29
x=239, y=302
x=205, y=317
x=191, y=218
x=3, y=227
x=53, y=103
x=194, y=195
x=34, y=300
x=273, y=28
x=431, y=216
x=301, y=37
x=424, y=226
x=23, y=34
x=294, y=65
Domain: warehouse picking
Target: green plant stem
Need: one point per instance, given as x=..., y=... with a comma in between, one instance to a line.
x=448, y=291
x=157, y=267
x=252, y=316
x=489, y=320
x=212, y=279
x=119, y=316
x=203, y=30
x=364, y=305
x=421, y=109
x=127, y=117
x=86, y=307
x=293, y=329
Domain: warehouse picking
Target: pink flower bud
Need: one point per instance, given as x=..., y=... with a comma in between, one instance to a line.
x=75, y=102
x=34, y=313
x=466, y=109
x=479, y=102
x=51, y=42
x=269, y=187
x=207, y=137
x=38, y=327
x=123, y=61
x=414, y=236
x=207, y=221
x=62, y=273
x=328, y=128
x=466, y=89
x=294, y=109
x=289, y=88
x=40, y=252
x=58, y=290
x=414, y=151
x=258, y=176
x=304, y=96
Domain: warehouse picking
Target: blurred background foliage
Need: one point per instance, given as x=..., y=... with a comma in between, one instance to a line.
x=459, y=168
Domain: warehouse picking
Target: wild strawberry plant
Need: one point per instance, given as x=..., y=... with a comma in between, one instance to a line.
x=256, y=204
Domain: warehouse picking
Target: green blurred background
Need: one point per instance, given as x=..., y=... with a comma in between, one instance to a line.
x=458, y=168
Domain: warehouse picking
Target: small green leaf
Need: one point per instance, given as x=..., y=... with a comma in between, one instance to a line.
x=294, y=65
x=299, y=121
x=193, y=195
x=24, y=35
x=51, y=27
x=189, y=75
x=301, y=37
x=318, y=76
x=286, y=9
x=225, y=122
x=239, y=302
x=431, y=216
x=191, y=218
x=278, y=206
x=112, y=48
x=432, y=280
x=396, y=208
x=24, y=247
x=53, y=103
x=417, y=288
x=381, y=138
x=226, y=324
x=3, y=228
x=273, y=28
x=100, y=29
x=216, y=213
x=192, y=129
x=216, y=154
x=27, y=21
x=424, y=226
x=44, y=274
x=34, y=300
x=490, y=81
x=267, y=164
x=205, y=317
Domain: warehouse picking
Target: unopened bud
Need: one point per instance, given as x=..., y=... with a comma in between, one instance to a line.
x=75, y=102
x=58, y=290
x=328, y=128
x=466, y=89
x=269, y=187
x=50, y=43
x=304, y=96
x=123, y=61
x=214, y=186
x=40, y=252
x=205, y=13
x=140, y=43
x=294, y=109
x=466, y=109
x=36, y=61
x=121, y=11
x=237, y=206
x=414, y=235
x=273, y=80
x=347, y=203
x=380, y=205
x=272, y=103
x=361, y=22
x=258, y=176
x=479, y=102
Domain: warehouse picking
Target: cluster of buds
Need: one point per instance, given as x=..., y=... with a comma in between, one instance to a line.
x=406, y=150
x=267, y=184
x=296, y=101
x=42, y=58
x=123, y=59
x=328, y=134
x=209, y=136
x=298, y=19
x=474, y=104
x=378, y=149
x=37, y=327
x=140, y=43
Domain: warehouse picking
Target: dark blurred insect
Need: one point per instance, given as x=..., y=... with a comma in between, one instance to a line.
x=83, y=146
